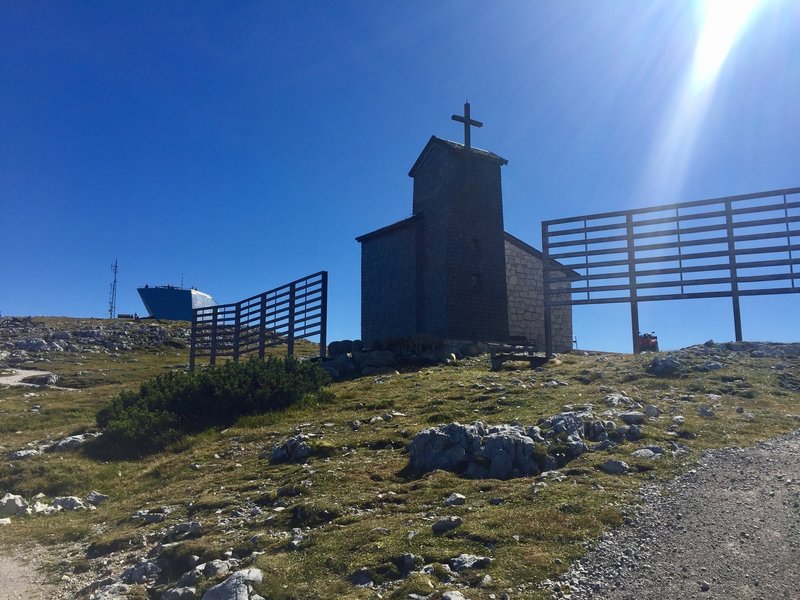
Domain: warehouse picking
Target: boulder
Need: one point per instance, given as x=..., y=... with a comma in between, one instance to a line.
x=632, y=417
x=69, y=503
x=111, y=591
x=643, y=453
x=339, y=348
x=238, y=586
x=614, y=399
x=293, y=449
x=664, y=366
x=449, y=447
x=634, y=433
x=180, y=593
x=501, y=451
x=142, y=571
x=72, y=442
x=453, y=596
x=96, y=498
x=615, y=467
x=469, y=561
x=710, y=365
x=505, y=452
x=216, y=567
x=652, y=412
x=446, y=524
x=455, y=499
x=23, y=454
x=12, y=504
x=40, y=508
x=42, y=380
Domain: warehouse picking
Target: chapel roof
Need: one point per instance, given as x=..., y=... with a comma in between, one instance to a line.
x=456, y=147
x=389, y=228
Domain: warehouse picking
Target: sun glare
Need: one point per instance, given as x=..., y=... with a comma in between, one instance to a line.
x=722, y=23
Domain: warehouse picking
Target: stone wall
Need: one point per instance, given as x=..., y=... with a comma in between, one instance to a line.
x=524, y=275
x=388, y=273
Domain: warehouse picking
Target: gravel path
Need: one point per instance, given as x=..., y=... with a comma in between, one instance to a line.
x=17, y=375
x=728, y=529
x=20, y=580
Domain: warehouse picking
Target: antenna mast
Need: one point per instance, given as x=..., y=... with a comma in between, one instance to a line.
x=112, y=300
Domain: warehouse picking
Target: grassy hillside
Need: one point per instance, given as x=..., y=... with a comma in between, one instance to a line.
x=355, y=504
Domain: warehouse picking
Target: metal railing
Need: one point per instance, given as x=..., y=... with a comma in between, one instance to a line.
x=297, y=310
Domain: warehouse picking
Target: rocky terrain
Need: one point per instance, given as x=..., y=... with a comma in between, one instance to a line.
x=443, y=482
x=25, y=339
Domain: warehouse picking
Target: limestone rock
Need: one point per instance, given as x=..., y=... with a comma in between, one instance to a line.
x=238, y=586
x=23, y=454
x=469, y=561
x=446, y=524
x=453, y=596
x=96, y=498
x=293, y=449
x=216, y=567
x=142, y=571
x=180, y=593
x=112, y=591
x=643, y=453
x=664, y=366
x=652, y=412
x=455, y=499
x=44, y=379
x=615, y=467
x=12, y=504
x=632, y=417
x=72, y=442
x=69, y=503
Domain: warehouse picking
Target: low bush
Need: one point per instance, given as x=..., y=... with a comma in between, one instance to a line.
x=174, y=404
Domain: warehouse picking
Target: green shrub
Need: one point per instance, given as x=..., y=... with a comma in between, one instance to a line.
x=174, y=404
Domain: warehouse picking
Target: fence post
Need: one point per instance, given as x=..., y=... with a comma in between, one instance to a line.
x=323, y=327
x=292, y=300
x=632, y=282
x=193, y=341
x=548, y=333
x=237, y=326
x=737, y=315
x=262, y=327
x=213, y=354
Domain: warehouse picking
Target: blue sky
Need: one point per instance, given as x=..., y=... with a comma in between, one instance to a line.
x=242, y=145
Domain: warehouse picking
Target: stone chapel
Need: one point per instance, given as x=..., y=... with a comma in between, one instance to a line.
x=450, y=269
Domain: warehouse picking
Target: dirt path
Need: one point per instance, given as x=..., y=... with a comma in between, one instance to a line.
x=20, y=580
x=729, y=529
x=17, y=375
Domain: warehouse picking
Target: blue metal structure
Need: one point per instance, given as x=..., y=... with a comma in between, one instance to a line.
x=169, y=302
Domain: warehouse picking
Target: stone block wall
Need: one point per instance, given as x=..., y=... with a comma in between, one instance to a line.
x=524, y=273
x=388, y=275
x=462, y=263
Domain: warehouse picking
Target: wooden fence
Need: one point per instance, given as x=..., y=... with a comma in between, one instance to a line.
x=747, y=245
x=297, y=310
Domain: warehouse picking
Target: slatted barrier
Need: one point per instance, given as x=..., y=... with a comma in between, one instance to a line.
x=297, y=310
x=746, y=245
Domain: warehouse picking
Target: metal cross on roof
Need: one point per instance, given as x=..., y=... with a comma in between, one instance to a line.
x=467, y=121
